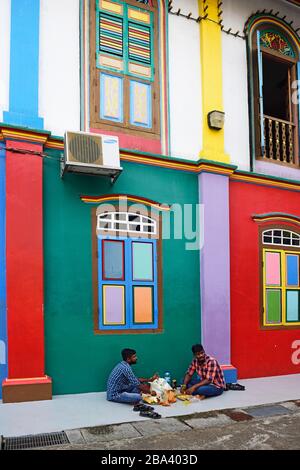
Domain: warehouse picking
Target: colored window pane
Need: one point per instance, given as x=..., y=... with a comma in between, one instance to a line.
x=113, y=260
x=113, y=305
x=111, y=92
x=292, y=266
x=142, y=260
x=273, y=306
x=274, y=40
x=140, y=104
x=143, y=304
x=273, y=271
x=292, y=306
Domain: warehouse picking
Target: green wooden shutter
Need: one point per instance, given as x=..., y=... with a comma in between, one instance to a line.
x=261, y=98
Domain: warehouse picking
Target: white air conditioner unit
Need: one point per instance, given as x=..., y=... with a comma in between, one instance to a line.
x=91, y=154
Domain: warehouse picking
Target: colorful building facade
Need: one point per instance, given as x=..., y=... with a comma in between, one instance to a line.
x=197, y=239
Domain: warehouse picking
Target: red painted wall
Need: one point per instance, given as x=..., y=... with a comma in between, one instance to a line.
x=24, y=251
x=256, y=352
x=127, y=141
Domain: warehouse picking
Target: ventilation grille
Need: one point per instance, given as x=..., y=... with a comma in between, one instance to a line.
x=82, y=148
x=34, y=441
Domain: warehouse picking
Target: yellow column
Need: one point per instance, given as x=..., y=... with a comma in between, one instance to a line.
x=212, y=80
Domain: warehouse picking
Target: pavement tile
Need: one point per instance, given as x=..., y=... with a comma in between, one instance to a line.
x=266, y=411
x=290, y=406
x=238, y=415
x=161, y=426
x=200, y=423
x=75, y=436
x=109, y=433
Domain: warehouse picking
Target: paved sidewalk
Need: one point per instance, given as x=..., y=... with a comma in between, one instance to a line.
x=278, y=427
x=69, y=412
x=264, y=427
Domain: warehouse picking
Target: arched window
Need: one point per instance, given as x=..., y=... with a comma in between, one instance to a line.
x=274, y=71
x=124, y=66
x=127, y=222
x=281, y=238
x=127, y=261
x=281, y=277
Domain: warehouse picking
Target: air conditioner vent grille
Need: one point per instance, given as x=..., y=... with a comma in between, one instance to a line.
x=85, y=149
x=91, y=154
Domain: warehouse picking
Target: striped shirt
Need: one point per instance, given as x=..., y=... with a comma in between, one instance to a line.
x=209, y=370
x=120, y=380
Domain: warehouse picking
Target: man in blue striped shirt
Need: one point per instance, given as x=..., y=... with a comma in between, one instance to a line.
x=122, y=385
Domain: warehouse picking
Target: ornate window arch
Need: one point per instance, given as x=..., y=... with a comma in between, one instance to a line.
x=273, y=53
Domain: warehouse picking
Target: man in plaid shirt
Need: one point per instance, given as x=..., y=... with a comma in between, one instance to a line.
x=209, y=381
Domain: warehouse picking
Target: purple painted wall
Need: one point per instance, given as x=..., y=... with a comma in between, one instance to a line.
x=273, y=169
x=215, y=266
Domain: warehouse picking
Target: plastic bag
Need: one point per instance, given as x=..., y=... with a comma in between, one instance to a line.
x=160, y=387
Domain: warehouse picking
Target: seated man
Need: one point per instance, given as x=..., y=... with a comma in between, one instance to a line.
x=209, y=381
x=122, y=385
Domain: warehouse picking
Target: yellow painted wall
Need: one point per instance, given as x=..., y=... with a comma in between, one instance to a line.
x=212, y=79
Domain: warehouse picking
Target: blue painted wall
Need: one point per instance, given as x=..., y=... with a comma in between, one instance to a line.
x=3, y=325
x=24, y=65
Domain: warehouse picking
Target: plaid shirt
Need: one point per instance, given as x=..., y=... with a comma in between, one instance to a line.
x=120, y=380
x=209, y=370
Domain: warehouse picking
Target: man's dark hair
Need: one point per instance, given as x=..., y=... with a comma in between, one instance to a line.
x=197, y=348
x=127, y=353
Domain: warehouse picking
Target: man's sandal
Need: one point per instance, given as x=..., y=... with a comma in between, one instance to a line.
x=142, y=407
x=235, y=387
x=150, y=414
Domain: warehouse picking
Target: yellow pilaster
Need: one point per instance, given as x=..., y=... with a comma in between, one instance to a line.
x=212, y=80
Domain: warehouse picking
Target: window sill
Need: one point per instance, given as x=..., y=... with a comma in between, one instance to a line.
x=280, y=327
x=134, y=131
x=129, y=332
x=294, y=166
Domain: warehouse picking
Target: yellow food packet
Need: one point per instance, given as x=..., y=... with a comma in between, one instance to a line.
x=184, y=397
x=149, y=399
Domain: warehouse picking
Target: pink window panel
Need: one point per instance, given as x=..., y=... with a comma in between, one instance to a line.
x=273, y=270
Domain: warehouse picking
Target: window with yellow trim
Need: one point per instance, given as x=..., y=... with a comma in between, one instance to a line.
x=281, y=279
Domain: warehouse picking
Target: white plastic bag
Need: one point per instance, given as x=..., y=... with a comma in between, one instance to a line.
x=160, y=386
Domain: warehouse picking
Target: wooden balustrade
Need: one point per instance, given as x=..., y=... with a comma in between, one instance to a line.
x=279, y=140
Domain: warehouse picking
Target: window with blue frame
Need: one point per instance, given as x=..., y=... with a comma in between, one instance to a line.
x=128, y=287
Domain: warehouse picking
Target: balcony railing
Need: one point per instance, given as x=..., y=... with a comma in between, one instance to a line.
x=279, y=139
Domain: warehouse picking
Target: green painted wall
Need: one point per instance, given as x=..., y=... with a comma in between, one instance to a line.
x=77, y=359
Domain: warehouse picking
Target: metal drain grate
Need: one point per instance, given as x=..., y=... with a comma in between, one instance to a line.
x=33, y=441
